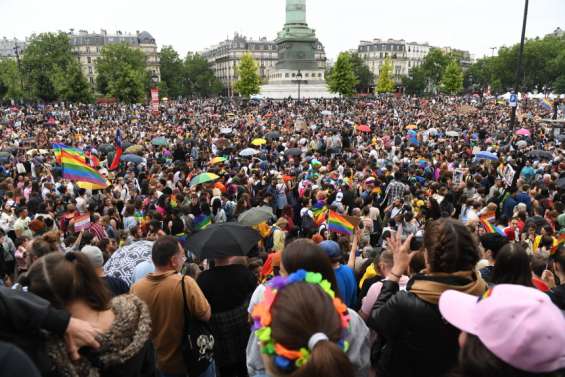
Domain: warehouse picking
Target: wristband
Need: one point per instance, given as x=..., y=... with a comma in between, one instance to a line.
x=395, y=275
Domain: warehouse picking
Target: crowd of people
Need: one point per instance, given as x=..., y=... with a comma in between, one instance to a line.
x=455, y=265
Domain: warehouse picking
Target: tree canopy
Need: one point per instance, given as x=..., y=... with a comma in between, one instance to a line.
x=342, y=78
x=385, y=82
x=172, y=73
x=249, y=81
x=452, y=79
x=365, y=77
x=200, y=78
x=51, y=71
x=122, y=73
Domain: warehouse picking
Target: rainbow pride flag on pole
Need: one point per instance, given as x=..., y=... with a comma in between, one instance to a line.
x=319, y=210
x=546, y=103
x=489, y=228
x=77, y=170
x=339, y=224
x=72, y=151
x=202, y=221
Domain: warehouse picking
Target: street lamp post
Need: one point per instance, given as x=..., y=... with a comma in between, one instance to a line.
x=519, y=67
x=17, y=52
x=299, y=77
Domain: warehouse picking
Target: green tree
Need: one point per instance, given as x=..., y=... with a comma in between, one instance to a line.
x=249, y=81
x=122, y=73
x=559, y=84
x=172, y=73
x=51, y=71
x=433, y=67
x=452, y=80
x=342, y=78
x=10, y=80
x=385, y=82
x=365, y=77
x=199, y=78
x=415, y=83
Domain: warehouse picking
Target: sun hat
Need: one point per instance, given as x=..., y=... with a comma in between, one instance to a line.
x=519, y=325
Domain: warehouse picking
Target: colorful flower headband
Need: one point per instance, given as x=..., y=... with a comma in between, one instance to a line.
x=284, y=358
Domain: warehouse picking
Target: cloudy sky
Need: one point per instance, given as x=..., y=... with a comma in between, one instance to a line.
x=192, y=25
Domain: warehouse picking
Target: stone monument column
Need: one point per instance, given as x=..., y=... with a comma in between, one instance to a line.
x=295, y=12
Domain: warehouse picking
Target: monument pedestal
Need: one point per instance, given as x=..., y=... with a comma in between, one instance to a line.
x=283, y=91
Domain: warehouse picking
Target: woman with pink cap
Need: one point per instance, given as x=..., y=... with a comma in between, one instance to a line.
x=510, y=331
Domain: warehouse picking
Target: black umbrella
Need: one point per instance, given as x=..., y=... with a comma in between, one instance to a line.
x=106, y=148
x=540, y=154
x=272, y=135
x=293, y=152
x=223, y=240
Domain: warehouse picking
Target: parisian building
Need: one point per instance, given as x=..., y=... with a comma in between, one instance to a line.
x=88, y=48
x=11, y=48
x=403, y=55
x=225, y=56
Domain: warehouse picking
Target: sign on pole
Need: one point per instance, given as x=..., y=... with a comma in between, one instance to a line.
x=513, y=100
x=155, y=100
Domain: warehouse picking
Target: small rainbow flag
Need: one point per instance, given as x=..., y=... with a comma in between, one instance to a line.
x=75, y=152
x=338, y=224
x=489, y=228
x=547, y=104
x=202, y=221
x=560, y=241
x=319, y=210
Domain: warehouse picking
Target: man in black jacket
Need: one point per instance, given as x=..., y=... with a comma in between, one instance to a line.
x=23, y=318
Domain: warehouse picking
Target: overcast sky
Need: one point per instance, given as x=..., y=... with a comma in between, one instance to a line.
x=192, y=25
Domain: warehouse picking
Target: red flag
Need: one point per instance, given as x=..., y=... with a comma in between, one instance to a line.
x=118, y=154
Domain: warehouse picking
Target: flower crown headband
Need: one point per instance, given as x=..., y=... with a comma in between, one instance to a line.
x=284, y=358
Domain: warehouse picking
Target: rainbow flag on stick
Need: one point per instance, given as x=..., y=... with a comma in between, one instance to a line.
x=489, y=228
x=319, y=210
x=74, y=169
x=77, y=153
x=339, y=224
x=202, y=221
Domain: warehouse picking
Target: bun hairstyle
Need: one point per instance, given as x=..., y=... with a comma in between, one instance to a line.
x=64, y=278
x=450, y=246
x=300, y=311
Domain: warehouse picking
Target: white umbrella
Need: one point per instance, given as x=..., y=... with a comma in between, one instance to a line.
x=522, y=144
x=452, y=133
x=248, y=152
x=226, y=130
x=123, y=262
x=326, y=112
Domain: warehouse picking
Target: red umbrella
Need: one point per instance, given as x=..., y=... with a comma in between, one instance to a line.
x=363, y=128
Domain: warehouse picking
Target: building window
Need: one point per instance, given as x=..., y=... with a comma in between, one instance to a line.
x=306, y=74
x=381, y=55
x=293, y=74
x=91, y=80
x=90, y=70
x=286, y=75
x=88, y=49
x=89, y=60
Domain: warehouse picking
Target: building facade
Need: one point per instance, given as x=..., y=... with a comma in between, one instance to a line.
x=88, y=48
x=10, y=48
x=403, y=55
x=225, y=56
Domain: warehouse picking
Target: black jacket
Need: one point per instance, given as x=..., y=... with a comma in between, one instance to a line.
x=413, y=339
x=557, y=295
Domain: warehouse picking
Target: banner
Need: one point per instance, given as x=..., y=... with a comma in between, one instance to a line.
x=82, y=222
x=155, y=100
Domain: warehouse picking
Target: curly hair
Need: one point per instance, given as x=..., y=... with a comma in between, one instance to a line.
x=450, y=246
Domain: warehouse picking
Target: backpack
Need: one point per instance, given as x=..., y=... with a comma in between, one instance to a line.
x=308, y=224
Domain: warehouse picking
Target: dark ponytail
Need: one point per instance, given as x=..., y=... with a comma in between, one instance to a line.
x=327, y=359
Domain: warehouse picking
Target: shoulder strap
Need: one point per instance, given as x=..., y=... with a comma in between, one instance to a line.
x=186, y=312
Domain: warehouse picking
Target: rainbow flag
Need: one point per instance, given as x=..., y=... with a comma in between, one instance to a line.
x=560, y=241
x=202, y=222
x=547, y=104
x=338, y=224
x=74, y=169
x=319, y=210
x=76, y=152
x=489, y=216
x=489, y=228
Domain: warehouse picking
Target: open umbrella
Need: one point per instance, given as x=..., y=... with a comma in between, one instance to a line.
x=523, y=132
x=248, y=152
x=203, y=178
x=132, y=158
x=160, y=141
x=259, y=141
x=126, y=145
x=326, y=112
x=226, y=130
x=106, y=148
x=363, y=128
x=538, y=153
x=522, y=144
x=223, y=240
x=123, y=262
x=293, y=152
x=484, y=155
x=411, y=127
x=452, y=133
x=134, y=149
x=91, y=186
x=256, y=215
x=272, y=135
x=5, y=154
x=37, y=151
x=217, y=160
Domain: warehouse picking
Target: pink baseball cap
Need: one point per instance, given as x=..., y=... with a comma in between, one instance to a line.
x=520, y=325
